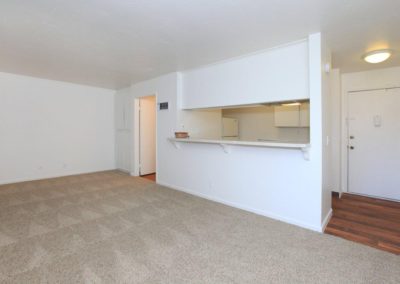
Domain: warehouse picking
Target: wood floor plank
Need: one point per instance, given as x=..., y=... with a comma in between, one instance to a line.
x=356, y=237
x=368, y=210
x=365, y=220
x=332, y=230
x=389, y=247
x=379, y=208
x=151, y=177
x=383, y=202
x=367, y=230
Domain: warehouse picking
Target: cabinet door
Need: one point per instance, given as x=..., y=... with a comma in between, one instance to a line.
x=119, y=112
x=305, y=115
x=287, y=116
x=230, y=127
x=122, y=111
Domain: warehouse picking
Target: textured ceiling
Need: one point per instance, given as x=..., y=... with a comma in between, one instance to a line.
x=114, y=43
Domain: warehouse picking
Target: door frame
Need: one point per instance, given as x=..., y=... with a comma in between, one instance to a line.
x=344, y=180
x=136, y=134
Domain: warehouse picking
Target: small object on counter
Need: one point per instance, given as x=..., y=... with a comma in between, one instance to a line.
x=181, y=135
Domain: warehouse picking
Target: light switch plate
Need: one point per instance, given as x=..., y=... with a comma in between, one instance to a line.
x=377, y=120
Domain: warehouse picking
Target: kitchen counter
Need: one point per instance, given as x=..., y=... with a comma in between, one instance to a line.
x=225, y=144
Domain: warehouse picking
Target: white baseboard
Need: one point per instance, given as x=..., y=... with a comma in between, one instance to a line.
x=124, y=170
x=252, y=210
x=327, y=219
x=53, y=175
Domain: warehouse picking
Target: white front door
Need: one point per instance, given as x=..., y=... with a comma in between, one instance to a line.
x=374, y=143
x=147, y=134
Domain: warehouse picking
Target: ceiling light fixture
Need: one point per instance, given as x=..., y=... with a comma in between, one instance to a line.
x=291, y=104
x=377, y=56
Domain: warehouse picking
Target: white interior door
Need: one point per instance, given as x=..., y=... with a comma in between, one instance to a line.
x=374, y=143
x=147, y=135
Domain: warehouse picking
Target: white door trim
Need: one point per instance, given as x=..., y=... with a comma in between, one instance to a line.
x=135, y=159
x=376, y=89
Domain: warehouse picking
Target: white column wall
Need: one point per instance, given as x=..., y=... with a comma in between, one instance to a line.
x=278, y=183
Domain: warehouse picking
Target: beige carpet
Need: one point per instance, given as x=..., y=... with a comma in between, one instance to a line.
x=111, y=228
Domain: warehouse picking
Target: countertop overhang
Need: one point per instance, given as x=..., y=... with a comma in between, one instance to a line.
x=304, y=147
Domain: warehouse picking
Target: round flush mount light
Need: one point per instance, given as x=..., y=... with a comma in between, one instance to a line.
x=377, y=56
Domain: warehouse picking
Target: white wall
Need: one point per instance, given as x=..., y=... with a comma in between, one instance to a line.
x=317, y=124
x=262, y=77
x=278, y=183
x=51, y=128
x=326, y=209
x=335, y=127
x=374, y=79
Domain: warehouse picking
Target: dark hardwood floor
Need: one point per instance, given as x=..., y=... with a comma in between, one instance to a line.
x=370, y=221
x=150, y=177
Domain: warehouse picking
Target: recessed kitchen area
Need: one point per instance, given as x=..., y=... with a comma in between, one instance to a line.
x=279, y=124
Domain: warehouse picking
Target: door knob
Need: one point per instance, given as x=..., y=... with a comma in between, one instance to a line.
x=351, y=137
x=351, y=147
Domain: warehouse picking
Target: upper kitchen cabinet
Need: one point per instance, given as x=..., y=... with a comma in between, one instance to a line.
x=257, y=78
x=286, y=116
x=305, y=115
x=296, y=115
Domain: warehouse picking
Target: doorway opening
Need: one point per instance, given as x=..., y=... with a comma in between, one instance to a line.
x=146, y=137
x=369, y=211
x=373, y=143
